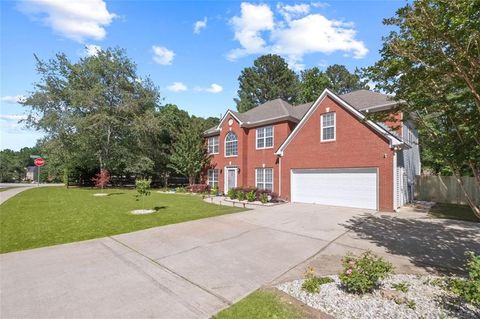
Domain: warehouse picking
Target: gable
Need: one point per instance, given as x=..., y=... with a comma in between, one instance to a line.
x=327, y=94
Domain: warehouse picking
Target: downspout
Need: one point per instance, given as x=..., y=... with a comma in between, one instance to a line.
x=279, y=176
x=395, y=204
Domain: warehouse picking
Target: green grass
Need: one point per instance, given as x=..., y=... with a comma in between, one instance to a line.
x=54, y=215
x=453, y=211
x=261, y=304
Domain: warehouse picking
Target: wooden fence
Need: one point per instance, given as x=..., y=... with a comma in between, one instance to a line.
x=445, y=189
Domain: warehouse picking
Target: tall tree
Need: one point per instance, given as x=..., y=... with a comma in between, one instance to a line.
x=269, y=78
x=433, y=62
x=189, y=156
x=312, y=83
x=342, y=81
x=90, y=106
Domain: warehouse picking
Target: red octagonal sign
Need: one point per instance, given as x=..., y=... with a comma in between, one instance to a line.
x=39, y=161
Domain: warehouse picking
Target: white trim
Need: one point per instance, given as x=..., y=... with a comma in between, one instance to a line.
x=225, y=178
x=394, y=160
x=279, y=176
x=334, y=127
x=273, y=177
x=218, y=144
x=224, y=118
x=264, y=138
x=392, y=139
x=225, y=145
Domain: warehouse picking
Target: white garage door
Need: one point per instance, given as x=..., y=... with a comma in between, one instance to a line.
x=337, y=187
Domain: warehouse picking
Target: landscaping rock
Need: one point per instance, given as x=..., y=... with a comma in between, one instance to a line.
x=142, y=211
x=423, y=300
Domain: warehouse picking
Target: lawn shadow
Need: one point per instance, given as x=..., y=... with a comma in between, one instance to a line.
x=116, y=193
x=438, y=245
x=158, y=208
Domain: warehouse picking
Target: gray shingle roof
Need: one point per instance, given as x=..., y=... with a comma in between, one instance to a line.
x=279, y=109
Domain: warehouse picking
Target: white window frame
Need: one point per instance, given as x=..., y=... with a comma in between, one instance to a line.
x=225, y=145
x=263, y=169
x=334, y=127
x=264, y=128
x=211, y=179
x=212, y=145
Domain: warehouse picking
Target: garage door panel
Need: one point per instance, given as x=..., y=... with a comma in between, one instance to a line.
x=339, y=187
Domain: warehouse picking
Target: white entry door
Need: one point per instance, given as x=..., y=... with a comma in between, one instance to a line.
x=230, y=178
x=349, y=187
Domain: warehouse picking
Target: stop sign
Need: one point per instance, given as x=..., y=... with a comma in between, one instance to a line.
x=39, y=161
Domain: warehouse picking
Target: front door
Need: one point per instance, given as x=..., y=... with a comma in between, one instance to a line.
x=231, y=178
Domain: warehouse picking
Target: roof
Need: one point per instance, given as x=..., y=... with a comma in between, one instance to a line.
x=393, y=139
x=364, y=100
x=279, y=110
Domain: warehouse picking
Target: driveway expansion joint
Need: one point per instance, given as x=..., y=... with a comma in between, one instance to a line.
x=221, y=298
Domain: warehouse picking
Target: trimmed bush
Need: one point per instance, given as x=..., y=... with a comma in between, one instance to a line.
x=241, y=195
x=232, y=193
x=362, y=273
x=263, y=197
x=251, y=196
x=198, y=188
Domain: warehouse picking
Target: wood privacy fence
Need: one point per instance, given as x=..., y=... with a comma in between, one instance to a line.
x=445, y=189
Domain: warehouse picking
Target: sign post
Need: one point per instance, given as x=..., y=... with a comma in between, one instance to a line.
x=39, y=162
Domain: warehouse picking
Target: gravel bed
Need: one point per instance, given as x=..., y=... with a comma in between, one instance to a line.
x=424, y=294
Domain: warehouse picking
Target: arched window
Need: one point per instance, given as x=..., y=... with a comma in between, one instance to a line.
x=231, y=144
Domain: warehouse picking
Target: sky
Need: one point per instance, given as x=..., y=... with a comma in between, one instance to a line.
x=194, y=51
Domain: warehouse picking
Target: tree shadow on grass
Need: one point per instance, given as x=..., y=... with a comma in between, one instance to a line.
x=438, y=245
x=114, y=194
x=158, y=208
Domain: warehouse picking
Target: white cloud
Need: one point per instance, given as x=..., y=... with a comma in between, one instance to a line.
x=320, y=4
x=76, y=20
x=12, y=99
x=199, y=25
x=92, y=49
x=213, y=88
x=162, y=55
x=177, y=87
x=253, y=20
x=13, y=117
x=297, y=32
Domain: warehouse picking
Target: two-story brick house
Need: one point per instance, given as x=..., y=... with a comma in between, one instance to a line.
x=323, y=152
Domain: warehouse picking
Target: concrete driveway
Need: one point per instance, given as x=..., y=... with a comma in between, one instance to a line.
x=188, y=270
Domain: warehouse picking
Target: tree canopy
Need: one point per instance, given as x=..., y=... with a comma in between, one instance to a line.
x=432, y=61
x=269, y=78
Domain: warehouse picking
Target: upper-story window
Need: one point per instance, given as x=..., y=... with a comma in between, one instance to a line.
x=327, y=129
x=265, y=137
x=213, y=145
x=231, y=144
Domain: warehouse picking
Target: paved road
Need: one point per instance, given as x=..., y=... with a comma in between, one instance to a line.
x=188, y=270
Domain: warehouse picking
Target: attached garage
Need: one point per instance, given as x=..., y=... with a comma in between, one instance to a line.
x=350, y=187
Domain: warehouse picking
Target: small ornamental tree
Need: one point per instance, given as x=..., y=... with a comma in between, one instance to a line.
x=101, y=179
x=143, y=188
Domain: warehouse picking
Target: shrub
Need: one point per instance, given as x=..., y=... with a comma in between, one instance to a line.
x=468, y=288
x=251, y=196
x=361, y=273
x=197, y=188
x=214, y=191
x=240, y=195
x=263, y=197
x=312, y=283
x=232, y=193
x=180, y=190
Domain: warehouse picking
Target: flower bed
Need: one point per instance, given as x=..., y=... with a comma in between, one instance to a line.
x=424, y=297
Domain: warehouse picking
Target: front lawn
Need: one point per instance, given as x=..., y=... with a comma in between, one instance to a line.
x=264, y=304
x=54, y=215
x=453, y=211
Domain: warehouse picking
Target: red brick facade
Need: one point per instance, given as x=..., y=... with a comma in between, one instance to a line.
x=357, y=145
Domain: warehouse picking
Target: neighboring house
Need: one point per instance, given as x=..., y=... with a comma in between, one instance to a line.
x=324, y=152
